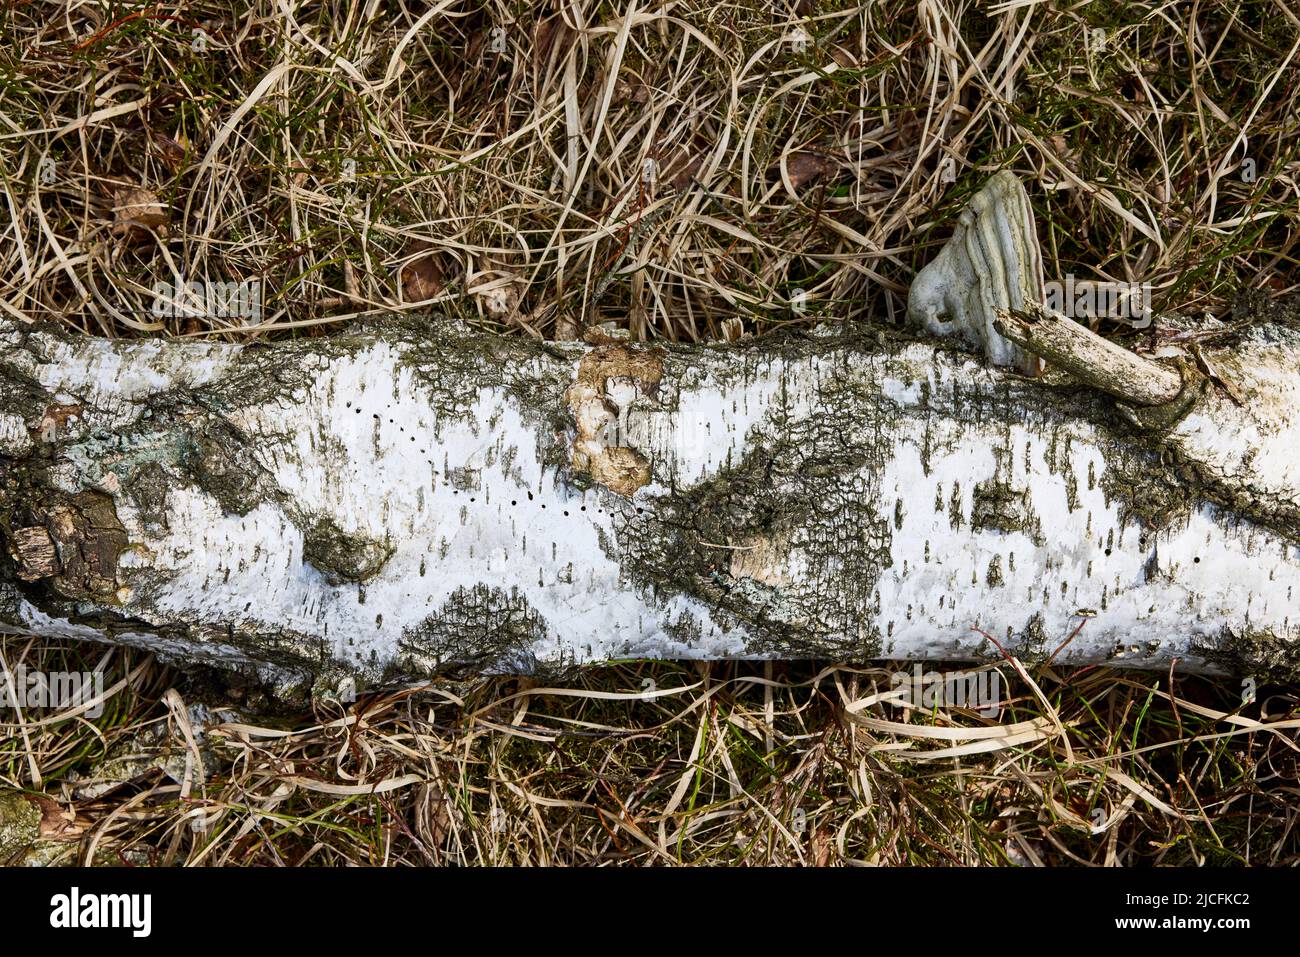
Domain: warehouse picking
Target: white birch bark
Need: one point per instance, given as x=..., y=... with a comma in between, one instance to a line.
x=406, y=496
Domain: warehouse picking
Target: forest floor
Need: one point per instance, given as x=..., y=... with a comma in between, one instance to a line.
x=679, y=170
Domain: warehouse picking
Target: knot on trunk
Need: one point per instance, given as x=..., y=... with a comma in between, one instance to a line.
x=1166, y=415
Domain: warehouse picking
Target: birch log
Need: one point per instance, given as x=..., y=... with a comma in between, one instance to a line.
x=409, y=495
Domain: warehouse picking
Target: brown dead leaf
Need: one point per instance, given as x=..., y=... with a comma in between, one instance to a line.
x=806, y=167
x=57, y=823
x=733, y=329
x=498, y=292
x=566, y=328
x=473, y=50
x=171, y=151
x=629, y=88
x=423, y=276
x=138, y=212
x=821, y=848
x=843, y=57
x=432, y=815
x=683, y=168
x=351, y=287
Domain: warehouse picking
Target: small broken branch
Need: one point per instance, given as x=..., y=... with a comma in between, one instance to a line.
x=1091, y=359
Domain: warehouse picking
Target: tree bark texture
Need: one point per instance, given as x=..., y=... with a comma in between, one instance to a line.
x=408, y=496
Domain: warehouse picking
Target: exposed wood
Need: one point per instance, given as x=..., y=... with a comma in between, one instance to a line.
x=35, y=553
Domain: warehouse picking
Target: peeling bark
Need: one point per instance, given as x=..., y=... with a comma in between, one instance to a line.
x=404, y=497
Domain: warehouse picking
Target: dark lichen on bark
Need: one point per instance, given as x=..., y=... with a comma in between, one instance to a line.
x=998, y=505
x=479, y=626
x=805, y=487
x=81, y=527
x=1256, y=654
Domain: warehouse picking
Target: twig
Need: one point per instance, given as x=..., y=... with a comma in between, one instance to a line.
x=1096, y=361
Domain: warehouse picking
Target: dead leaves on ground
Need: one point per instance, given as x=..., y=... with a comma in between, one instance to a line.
x=804, y=167
x=497, y=292
x=138, y=213
x=422, y=275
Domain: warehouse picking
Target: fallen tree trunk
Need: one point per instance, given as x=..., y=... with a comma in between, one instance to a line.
x=405, y=496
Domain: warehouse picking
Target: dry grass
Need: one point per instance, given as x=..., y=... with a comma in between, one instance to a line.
x=659, y=763
x=499, y=153
x=489, y=160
